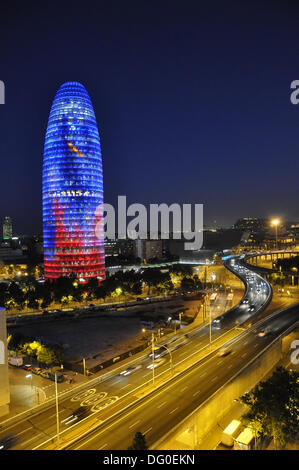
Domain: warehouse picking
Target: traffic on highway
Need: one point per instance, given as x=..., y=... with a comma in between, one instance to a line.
x=197, y=363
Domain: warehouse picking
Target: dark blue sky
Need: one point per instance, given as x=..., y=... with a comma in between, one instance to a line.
x=192, y=101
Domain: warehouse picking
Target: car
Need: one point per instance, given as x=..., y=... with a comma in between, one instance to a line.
x=59, y=376
x=263, y=332
x=36, y=370
x=245, y=301
x=218, y=319
x=158, y=353
x=8, y=441
x=251, y=308
x=78, y=414
x=223, y=352
x=130, y=370
x=156, y=363
x=27, y=367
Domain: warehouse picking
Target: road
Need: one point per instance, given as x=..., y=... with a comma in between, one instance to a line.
x=163, y=410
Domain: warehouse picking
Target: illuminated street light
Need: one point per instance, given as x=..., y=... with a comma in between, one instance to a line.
x=275, y=223
x=29, y=376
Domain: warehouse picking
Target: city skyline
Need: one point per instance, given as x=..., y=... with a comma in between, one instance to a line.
x=184, y=95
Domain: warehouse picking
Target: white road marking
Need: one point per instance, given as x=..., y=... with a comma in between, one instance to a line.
x=196, y=393
x=21, y=432
x=134, y=424
x=185, y=388
x=145, y=432
x=173, y=411
x=162, y=404
x=105, y=445
x=205, y=373
x=128, y=385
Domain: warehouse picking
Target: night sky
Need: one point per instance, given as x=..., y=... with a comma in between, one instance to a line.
x=192, y=101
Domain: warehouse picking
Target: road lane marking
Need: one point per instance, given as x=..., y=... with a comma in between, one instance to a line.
x=21, y=432
x=128, y=385
x=205, y=373
x=145, y=432
x=196, y=393
x=185, y=388
x=162, y=404
x=173, y=411
x=100, y=448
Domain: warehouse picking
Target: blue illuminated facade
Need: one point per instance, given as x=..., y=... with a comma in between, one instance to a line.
x=73, y=188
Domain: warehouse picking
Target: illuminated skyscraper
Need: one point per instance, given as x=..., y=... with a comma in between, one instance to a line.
x=72, y=188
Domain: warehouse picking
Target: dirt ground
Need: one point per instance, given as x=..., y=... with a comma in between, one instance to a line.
x=101, y=333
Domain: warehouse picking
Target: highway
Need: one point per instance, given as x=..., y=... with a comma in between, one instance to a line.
x=182, y=394
x=160, y=412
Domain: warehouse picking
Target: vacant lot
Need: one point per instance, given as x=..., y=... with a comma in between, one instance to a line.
x=101, y=334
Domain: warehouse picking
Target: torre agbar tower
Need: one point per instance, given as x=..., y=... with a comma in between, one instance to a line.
x=73, y=188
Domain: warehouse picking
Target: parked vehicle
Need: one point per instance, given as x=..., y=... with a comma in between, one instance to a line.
x=59, y=376
x=15, y=361
x=245, y=440
x=230, y=433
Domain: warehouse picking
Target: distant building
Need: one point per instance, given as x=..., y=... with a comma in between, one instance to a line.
x=10, y=256
x=7, y=228
x=110, y=247
x=126, y=248
x=148, y=249
x=4, y=383
x=252, y=224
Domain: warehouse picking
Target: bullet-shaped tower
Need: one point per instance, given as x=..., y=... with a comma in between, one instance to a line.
x=73, y=188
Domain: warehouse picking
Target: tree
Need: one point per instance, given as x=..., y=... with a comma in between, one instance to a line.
x=273, y=406
x=139, y=442
x=50, y=355
x=187, y=284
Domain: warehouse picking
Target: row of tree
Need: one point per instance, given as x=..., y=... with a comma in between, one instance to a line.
x=273, y=407
x=30, y=293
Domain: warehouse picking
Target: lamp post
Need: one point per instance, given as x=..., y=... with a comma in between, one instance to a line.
x=180, y=317
x=29, y=376
x=275, y=223
x=153, y=356
x=57, y=413
x=170, y=360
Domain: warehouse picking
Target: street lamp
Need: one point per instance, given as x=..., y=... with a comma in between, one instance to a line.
x=29, y=376
x=275, y=223
x=57, y=413
x=153, y=357
x=170, y=355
